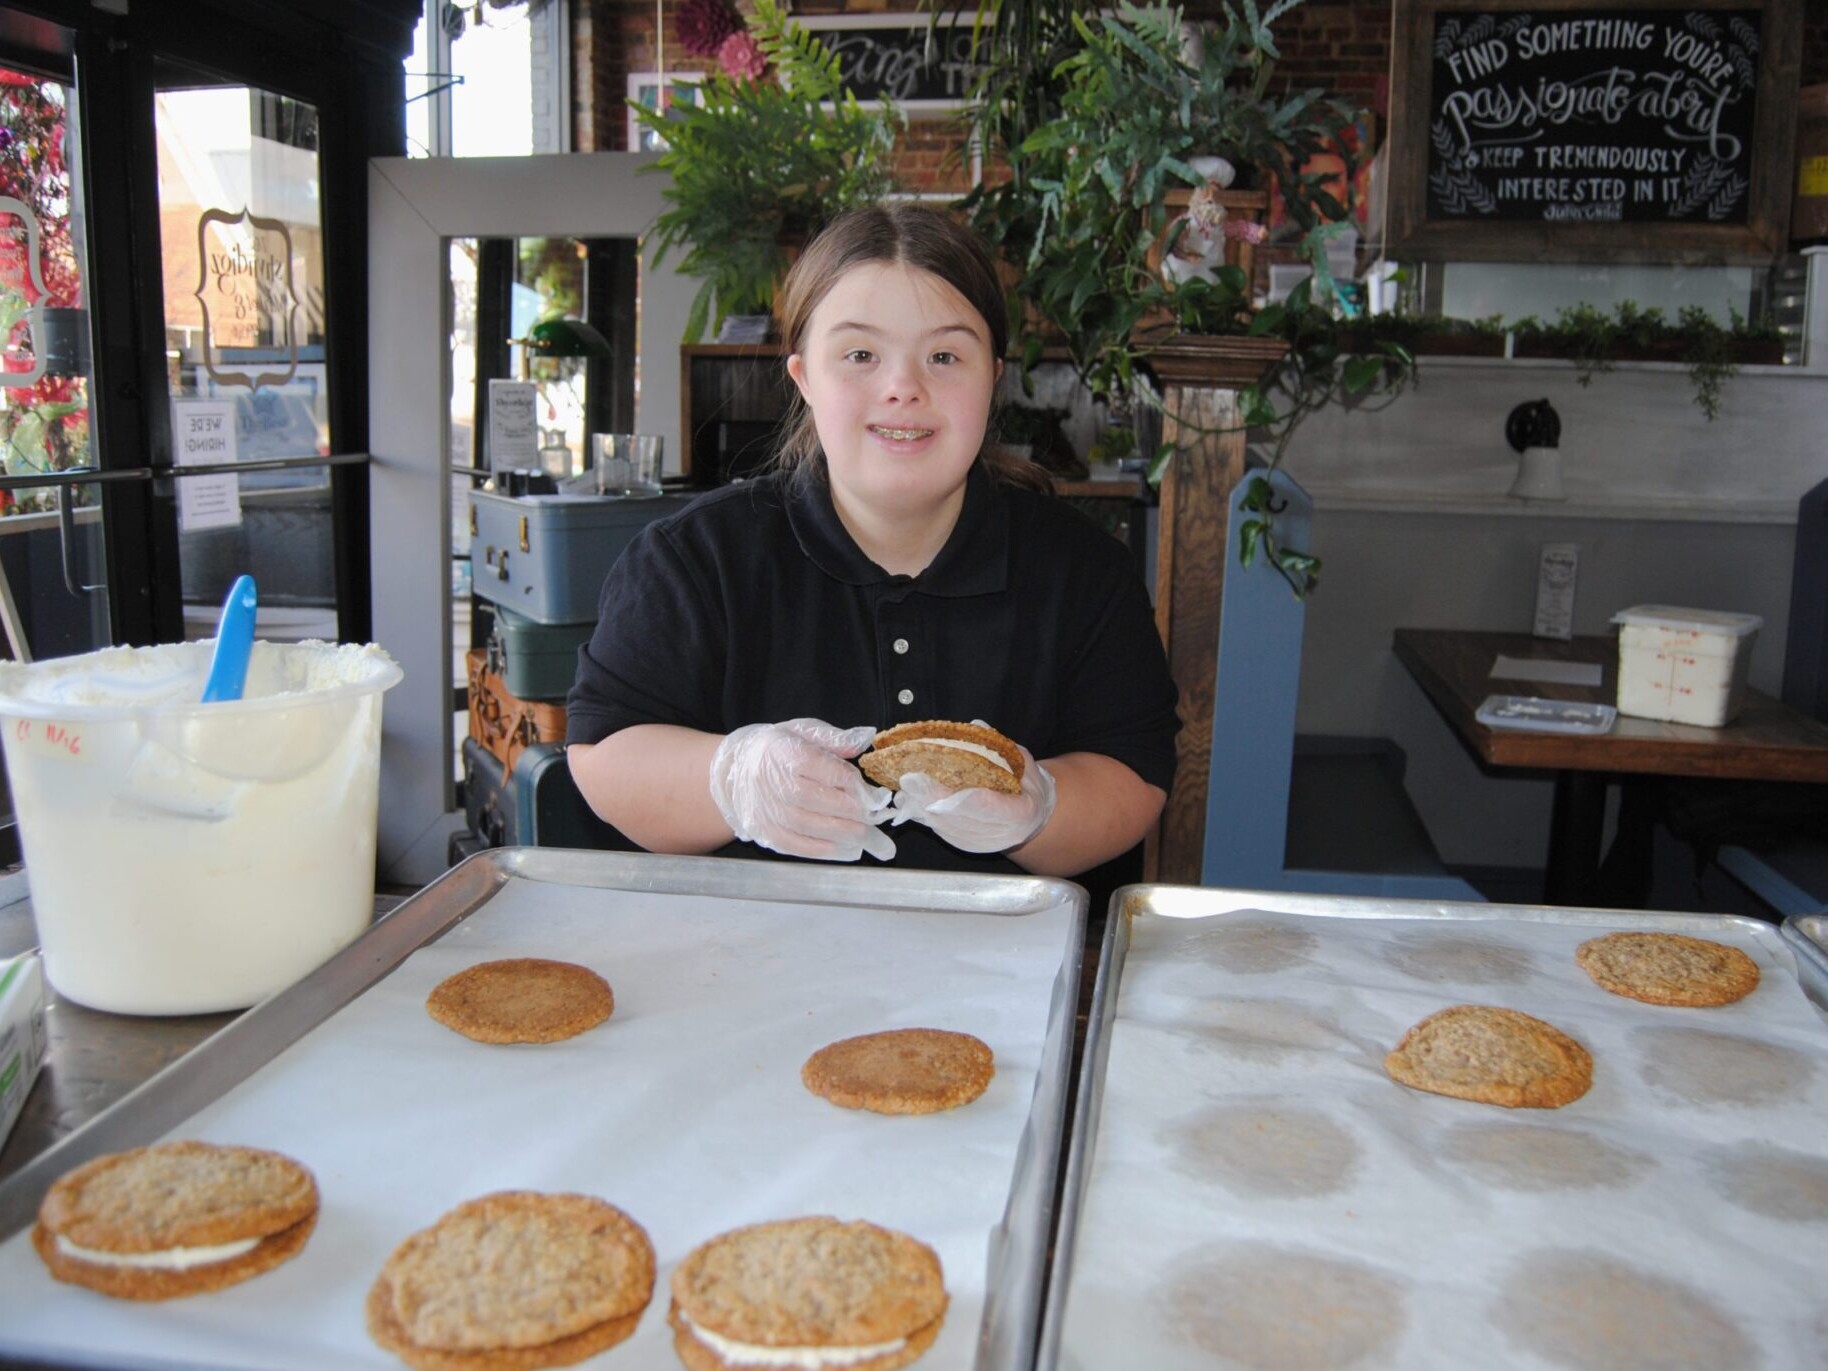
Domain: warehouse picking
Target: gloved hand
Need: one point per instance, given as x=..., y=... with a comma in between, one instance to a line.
x=790, y=788
x=976, y=819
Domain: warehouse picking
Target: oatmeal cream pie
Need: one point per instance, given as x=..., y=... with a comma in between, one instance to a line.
x=179, y=1218
x=807, y=1293
x=902, y=1071
x=513, y=1281
x=955, y=755
x=1494, y=1056
x=1668, y=968
x=521, y=1000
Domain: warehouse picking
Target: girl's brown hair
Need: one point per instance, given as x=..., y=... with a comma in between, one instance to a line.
x=910, y=235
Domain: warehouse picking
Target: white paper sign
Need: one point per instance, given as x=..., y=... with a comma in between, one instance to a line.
x=1555, y=578
x=514, y=436
x=203, y=434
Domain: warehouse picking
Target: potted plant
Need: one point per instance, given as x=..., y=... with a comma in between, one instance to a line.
x=761, y=164
x=1099, y=176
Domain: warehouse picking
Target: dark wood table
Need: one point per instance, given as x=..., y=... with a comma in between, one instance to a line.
x=1768, y=741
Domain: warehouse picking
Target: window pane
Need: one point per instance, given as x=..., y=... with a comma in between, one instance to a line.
x=492, y=104
x=44, y=402
x=242, y=252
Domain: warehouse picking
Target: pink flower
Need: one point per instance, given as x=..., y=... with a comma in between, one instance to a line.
x=1243, y=231
x=704, y=24
x=742, y=57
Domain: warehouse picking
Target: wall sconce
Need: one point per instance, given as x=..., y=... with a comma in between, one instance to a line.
x=1533, y=430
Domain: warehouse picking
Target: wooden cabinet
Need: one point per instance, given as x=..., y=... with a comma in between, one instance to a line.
x=731, y=397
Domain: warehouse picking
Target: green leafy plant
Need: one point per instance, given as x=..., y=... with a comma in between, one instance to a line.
x=761, y=165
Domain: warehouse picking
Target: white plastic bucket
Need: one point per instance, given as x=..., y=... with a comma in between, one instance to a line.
x=185, y=858
x=1685, y=666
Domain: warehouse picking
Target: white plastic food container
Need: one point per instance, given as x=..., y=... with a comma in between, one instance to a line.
x=187, y=857
x=1684, y=665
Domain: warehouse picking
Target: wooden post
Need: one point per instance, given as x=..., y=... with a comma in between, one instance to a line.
x=1200, y=378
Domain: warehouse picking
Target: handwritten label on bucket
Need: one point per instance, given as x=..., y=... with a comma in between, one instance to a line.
x=57, y=740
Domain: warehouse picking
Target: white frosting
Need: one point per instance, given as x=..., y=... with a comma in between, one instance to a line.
x=810, y=1358
x=976, y=749
x=170, y=1259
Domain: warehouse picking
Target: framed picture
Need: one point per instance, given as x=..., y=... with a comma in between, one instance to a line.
x=895, y=55
x=646, y=90
x=1639, y=130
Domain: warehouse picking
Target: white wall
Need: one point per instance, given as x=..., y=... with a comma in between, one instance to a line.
x=1416, y=530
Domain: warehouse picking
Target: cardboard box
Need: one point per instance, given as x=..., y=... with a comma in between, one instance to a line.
x=22, y=1035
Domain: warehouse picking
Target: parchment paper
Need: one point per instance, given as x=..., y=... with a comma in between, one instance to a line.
x=1263, y=1195
x=685, y=1109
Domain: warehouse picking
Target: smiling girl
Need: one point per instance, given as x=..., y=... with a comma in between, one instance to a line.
x=896, y=566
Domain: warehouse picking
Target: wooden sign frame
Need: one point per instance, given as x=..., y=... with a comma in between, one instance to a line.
x=1410, y=232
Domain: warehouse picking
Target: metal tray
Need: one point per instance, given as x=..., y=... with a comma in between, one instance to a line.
x=1015, y=1271
x=1808, y=934
x=1142, y=901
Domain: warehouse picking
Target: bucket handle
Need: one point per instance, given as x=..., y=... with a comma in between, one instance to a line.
x=66, y=530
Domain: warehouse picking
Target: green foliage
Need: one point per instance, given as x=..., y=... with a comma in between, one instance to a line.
x=1593, y=339
x=759, y=164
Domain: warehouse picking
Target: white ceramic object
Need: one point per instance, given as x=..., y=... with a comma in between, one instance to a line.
x=1215, y=169
x=1538, y=475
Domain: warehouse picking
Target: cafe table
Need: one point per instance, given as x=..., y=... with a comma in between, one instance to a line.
x=1767, y=741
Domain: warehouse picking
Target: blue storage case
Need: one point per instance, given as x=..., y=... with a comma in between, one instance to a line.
x=545, y=556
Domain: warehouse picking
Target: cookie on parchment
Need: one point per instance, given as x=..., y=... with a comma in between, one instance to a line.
x=811, y=1286
x=902, y=1071
x=1668, y=968
x=179, y=1218
x=955, y=755
x=1494, y=1056
x=521, y=1000
x=513, y=1281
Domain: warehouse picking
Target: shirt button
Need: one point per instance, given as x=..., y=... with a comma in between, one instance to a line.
x=906, y=697
x=901, y=646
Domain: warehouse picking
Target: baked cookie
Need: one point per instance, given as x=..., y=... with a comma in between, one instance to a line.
x=179, y=1218
x=955, y=755
x=903, y=1071
x=521, y=1000
x=1668, y=968
x=1495, y=1056
x=513, y=1281
x=808, y=1287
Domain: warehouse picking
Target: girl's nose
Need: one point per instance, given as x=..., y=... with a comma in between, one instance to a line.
x=901, y=380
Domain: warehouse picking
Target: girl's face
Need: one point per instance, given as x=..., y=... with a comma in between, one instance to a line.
x=896, y=367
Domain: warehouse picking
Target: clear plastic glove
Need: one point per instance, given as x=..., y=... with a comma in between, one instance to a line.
x=976, y=819
x=790, y=788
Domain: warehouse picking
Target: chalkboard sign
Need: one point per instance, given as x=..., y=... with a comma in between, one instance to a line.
x=1553, y=130
x=897, y=55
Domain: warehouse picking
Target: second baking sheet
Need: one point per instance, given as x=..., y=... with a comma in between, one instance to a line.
x=1261, y=1194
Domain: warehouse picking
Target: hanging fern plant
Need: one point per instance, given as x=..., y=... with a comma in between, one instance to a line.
x=759, y=165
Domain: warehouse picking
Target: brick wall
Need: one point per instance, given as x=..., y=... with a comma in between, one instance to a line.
x=1343, y=47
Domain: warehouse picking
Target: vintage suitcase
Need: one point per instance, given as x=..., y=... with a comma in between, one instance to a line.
x=500, y=721
x=545, y=556
x=536, y=661
x=533, y=803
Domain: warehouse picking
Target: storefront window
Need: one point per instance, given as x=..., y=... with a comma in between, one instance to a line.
x=241, y=221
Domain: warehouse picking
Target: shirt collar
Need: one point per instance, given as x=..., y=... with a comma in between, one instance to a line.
x=974, y=561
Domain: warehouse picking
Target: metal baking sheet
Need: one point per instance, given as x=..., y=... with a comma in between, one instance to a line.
x=685, y=1108
x=1809, y=935
x=1291, y=1218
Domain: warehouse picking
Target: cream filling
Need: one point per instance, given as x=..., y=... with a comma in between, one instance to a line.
x=976, y=749
x=811, y=1358
x=171, y=1259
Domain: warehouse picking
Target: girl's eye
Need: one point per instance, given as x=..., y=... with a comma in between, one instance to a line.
x=945, y=358
x=858, y=355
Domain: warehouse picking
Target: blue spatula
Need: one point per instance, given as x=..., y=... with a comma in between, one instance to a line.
x=228, y=669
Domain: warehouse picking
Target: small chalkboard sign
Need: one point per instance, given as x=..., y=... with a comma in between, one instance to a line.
x=921, y=66
x=1638, y=130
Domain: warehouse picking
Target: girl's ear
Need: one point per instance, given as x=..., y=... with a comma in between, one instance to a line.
x=796, y=371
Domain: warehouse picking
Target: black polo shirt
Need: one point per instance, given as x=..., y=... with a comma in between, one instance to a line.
x=754, y=605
